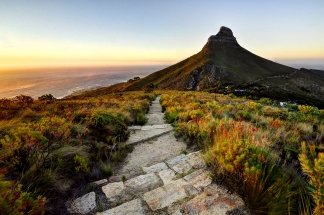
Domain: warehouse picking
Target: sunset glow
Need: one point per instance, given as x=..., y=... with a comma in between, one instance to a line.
x=77, y=33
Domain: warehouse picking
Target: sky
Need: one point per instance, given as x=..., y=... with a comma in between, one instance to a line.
x=41, y=33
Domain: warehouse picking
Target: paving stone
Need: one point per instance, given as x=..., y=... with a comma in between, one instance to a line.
x=82, y=205
x=113, y=191
x=196, y=160
x=214, y=200
x=155, y=168
x=182, y=167
x=143, y=183
x=167, y=175
x=173, y=161
x=134, y=207
x=199, y=179
x=165, y=196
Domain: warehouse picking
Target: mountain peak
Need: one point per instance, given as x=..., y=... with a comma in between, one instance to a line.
x=225, y=35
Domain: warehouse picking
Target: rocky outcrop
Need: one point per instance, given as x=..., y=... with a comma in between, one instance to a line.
x=207, y=76
x=225, y=35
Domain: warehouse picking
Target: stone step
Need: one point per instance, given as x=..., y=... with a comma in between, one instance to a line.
x=180, y=185
x=155, y=108
x=134, y=207
x=82, y=205
x=150, y=127
x=119, y=192
x=165, y=196
x=214, y=200
x=155, y=119
x=149, y=153
x=146, y=133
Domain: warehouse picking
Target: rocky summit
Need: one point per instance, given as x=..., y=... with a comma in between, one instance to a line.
x=223, y=66
x=225, y=35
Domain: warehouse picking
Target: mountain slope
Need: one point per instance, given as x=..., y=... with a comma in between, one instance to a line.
x=226, y=67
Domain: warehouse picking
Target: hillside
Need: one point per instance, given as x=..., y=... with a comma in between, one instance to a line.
x=224, y=66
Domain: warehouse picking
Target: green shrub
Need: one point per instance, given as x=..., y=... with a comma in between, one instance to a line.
x=292, y=107
x=266, y=101
x=81, y=164
x=140, y=119
x=170, y=117
x=306, y=109
x=106, y=168
x=108, y=128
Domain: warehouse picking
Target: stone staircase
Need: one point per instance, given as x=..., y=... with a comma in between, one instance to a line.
x=158, y=178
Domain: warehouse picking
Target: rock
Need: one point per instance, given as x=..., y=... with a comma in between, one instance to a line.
x=173, y=161
x=225, y=35
x=115, y=178
x=214, y=200
x=113, y=191
x=165, y=196
x=143, y=183
x=167, y=175
x=134, y=207
x=82, y=205
x=155, y=168
x=199, y=179
x=196, y=161
x=177, y=213
x=239, y=211
x=100, y=182
x=182, y=167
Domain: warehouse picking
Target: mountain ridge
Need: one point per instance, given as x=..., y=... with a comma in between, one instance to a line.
x=223, y=66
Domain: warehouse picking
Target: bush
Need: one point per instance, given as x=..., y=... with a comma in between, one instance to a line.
x=47, y=98
x=305, y=109
x=266, y=101
x=24, y=100
x=252, y=148
x=42, y=146
x=313, y=165
x=267, y=189
x=292, y=107
x=107, y=127
x=81, y=164
x=14, y=201
x=106, y=168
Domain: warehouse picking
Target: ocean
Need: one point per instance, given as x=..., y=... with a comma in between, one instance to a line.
x=61, y=82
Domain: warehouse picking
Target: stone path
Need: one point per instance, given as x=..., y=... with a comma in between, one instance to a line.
x=158, y=178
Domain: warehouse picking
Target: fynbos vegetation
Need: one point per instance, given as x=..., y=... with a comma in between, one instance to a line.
x=272, y=156
x=49, y=147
